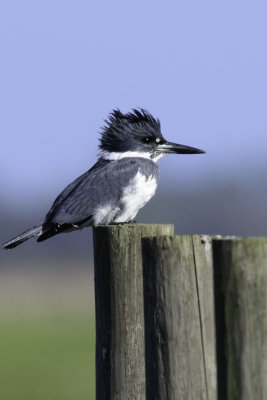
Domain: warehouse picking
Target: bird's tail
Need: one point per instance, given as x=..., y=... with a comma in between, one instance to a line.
x=35, y=231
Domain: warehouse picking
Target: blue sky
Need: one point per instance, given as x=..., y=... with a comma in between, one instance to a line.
x=200, y=67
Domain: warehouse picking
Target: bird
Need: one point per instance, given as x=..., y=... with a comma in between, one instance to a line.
x=122, y=181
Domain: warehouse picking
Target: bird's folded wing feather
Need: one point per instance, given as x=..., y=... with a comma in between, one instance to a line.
x=102, y=184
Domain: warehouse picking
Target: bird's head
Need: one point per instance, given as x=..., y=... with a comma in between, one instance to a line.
x=137, y=134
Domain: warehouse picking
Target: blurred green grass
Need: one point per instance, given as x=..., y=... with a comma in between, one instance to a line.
x=47, y=335
x=47, y=357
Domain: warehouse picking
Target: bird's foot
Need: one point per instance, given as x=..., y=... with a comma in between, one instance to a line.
x=122, y=223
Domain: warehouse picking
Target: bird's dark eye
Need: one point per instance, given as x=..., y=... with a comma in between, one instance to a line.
x=147, y=139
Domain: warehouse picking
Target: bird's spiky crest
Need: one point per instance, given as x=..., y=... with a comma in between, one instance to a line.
x=136, y=116
x=120, y=128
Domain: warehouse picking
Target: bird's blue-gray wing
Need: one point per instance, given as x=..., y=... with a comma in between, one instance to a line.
x=101, y=185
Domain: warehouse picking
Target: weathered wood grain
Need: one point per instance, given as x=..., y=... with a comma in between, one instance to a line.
x=202, y=245
x=120, y=371
x=240, y=268
x=180, y=362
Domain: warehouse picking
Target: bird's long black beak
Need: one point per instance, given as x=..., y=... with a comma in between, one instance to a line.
x=173, y=148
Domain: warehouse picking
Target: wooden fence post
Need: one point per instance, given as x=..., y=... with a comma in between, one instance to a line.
x=179, y=318
x=120, y=371
x=240, y=268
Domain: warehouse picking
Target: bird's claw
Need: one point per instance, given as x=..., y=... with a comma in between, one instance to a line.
x=123, y=223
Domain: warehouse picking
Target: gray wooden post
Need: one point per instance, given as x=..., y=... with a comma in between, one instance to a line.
x=120, y=370
x=240, y=267
x=179, y=318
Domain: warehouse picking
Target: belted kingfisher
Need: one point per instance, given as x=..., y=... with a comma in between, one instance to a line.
x=122, y=181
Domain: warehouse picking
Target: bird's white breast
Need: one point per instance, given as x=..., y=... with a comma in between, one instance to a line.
x=135, y=195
